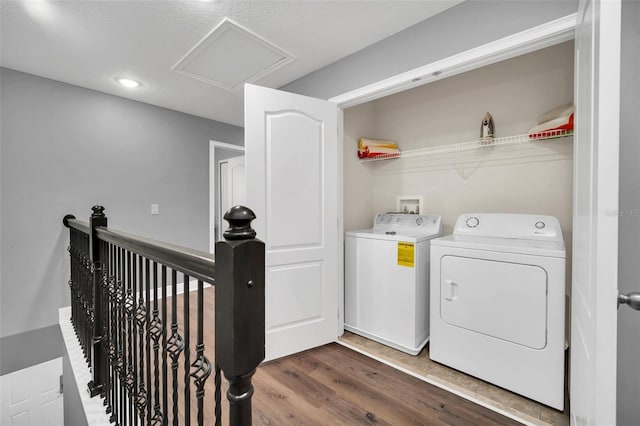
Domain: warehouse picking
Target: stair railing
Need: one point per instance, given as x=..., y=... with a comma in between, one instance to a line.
x=136, y=332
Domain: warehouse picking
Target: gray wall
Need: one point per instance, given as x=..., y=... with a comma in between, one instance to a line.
x=65, y=149
x=463, y=27
x=629, y=232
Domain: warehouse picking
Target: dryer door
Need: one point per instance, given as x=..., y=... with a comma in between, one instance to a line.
x=504, y=300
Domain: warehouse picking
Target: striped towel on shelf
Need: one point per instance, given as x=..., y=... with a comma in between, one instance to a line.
x=369, y=148
x=552, y=128
x=555, y=123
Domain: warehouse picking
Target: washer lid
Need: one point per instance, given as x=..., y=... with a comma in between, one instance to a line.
x=402, y=227
x=505, y=245
x=411, y=237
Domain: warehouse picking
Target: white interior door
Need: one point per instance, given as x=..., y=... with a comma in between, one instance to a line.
x=595, y=218
x=31, y=397
x=232, y=188
x=292, y=173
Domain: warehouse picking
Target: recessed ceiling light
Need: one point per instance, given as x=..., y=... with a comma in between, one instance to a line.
x=128, y=83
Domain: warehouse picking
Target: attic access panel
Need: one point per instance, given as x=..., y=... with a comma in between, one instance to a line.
x=230, y=56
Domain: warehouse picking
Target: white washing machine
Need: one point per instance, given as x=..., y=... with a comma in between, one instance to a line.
x=498, y=302
x=387, y=280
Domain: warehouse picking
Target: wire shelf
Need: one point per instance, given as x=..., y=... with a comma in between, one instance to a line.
x=477, y=144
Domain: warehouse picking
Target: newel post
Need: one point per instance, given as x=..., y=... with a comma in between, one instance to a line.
x=240, y=310
x=98, y=357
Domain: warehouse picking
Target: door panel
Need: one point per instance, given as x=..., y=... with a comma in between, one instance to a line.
x=31, y=397
x=595, y=219
x=292, y=168
x=232, y=188
x=299, y=282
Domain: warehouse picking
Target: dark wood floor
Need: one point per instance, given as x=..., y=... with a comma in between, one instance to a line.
x=334, y=385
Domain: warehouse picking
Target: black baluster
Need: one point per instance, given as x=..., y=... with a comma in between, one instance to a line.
x=141, y=401
x=72, y=257
x=114, y=330
x=175, y=345
x=165, y=398
x=116, y=327
x=201, y=368
x=130, y=308
x=104, y=255
x=82, y=307
x=71, y=262
x=81, y=297
x=134, y=343
x=88, y=332
x=217, y=395
x=114, y=333
x=147, y=290
x=104, y=247
x=121, y=338
x=88, y=291
x=187, y=361
x=156, y=334
x=76, y=290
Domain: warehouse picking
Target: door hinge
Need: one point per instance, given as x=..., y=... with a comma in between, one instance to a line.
x=61, y=385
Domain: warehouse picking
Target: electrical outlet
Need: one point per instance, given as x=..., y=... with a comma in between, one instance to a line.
x=155, y=208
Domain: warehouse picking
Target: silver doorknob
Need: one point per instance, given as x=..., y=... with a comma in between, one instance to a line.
x=632, y=299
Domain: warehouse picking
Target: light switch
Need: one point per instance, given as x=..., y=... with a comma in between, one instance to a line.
x=155, y=208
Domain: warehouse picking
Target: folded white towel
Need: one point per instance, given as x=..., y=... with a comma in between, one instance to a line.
x=563, y=111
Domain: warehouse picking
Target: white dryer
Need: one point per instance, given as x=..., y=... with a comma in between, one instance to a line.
x=387, y=280
x=498, y=302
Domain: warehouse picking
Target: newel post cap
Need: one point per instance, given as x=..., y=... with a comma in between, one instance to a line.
x=239, y=218
x=98, y=211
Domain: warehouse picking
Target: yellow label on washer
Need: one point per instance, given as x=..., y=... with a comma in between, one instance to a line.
x=406, y=253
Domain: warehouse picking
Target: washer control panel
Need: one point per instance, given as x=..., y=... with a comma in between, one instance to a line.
x=501, y=225
x=398, y=222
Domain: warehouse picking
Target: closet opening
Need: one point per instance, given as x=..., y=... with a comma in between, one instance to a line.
x=453, y=172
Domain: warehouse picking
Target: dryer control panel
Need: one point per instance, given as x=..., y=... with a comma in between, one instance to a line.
x=503, y=225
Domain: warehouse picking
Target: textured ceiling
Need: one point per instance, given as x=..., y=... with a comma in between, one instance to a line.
x=88, y=43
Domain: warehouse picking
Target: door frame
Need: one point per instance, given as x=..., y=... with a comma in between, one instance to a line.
x=536, y=38
x=213, y=145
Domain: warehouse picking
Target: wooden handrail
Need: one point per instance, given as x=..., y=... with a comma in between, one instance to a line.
x=70, y=221
x=195, y=263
